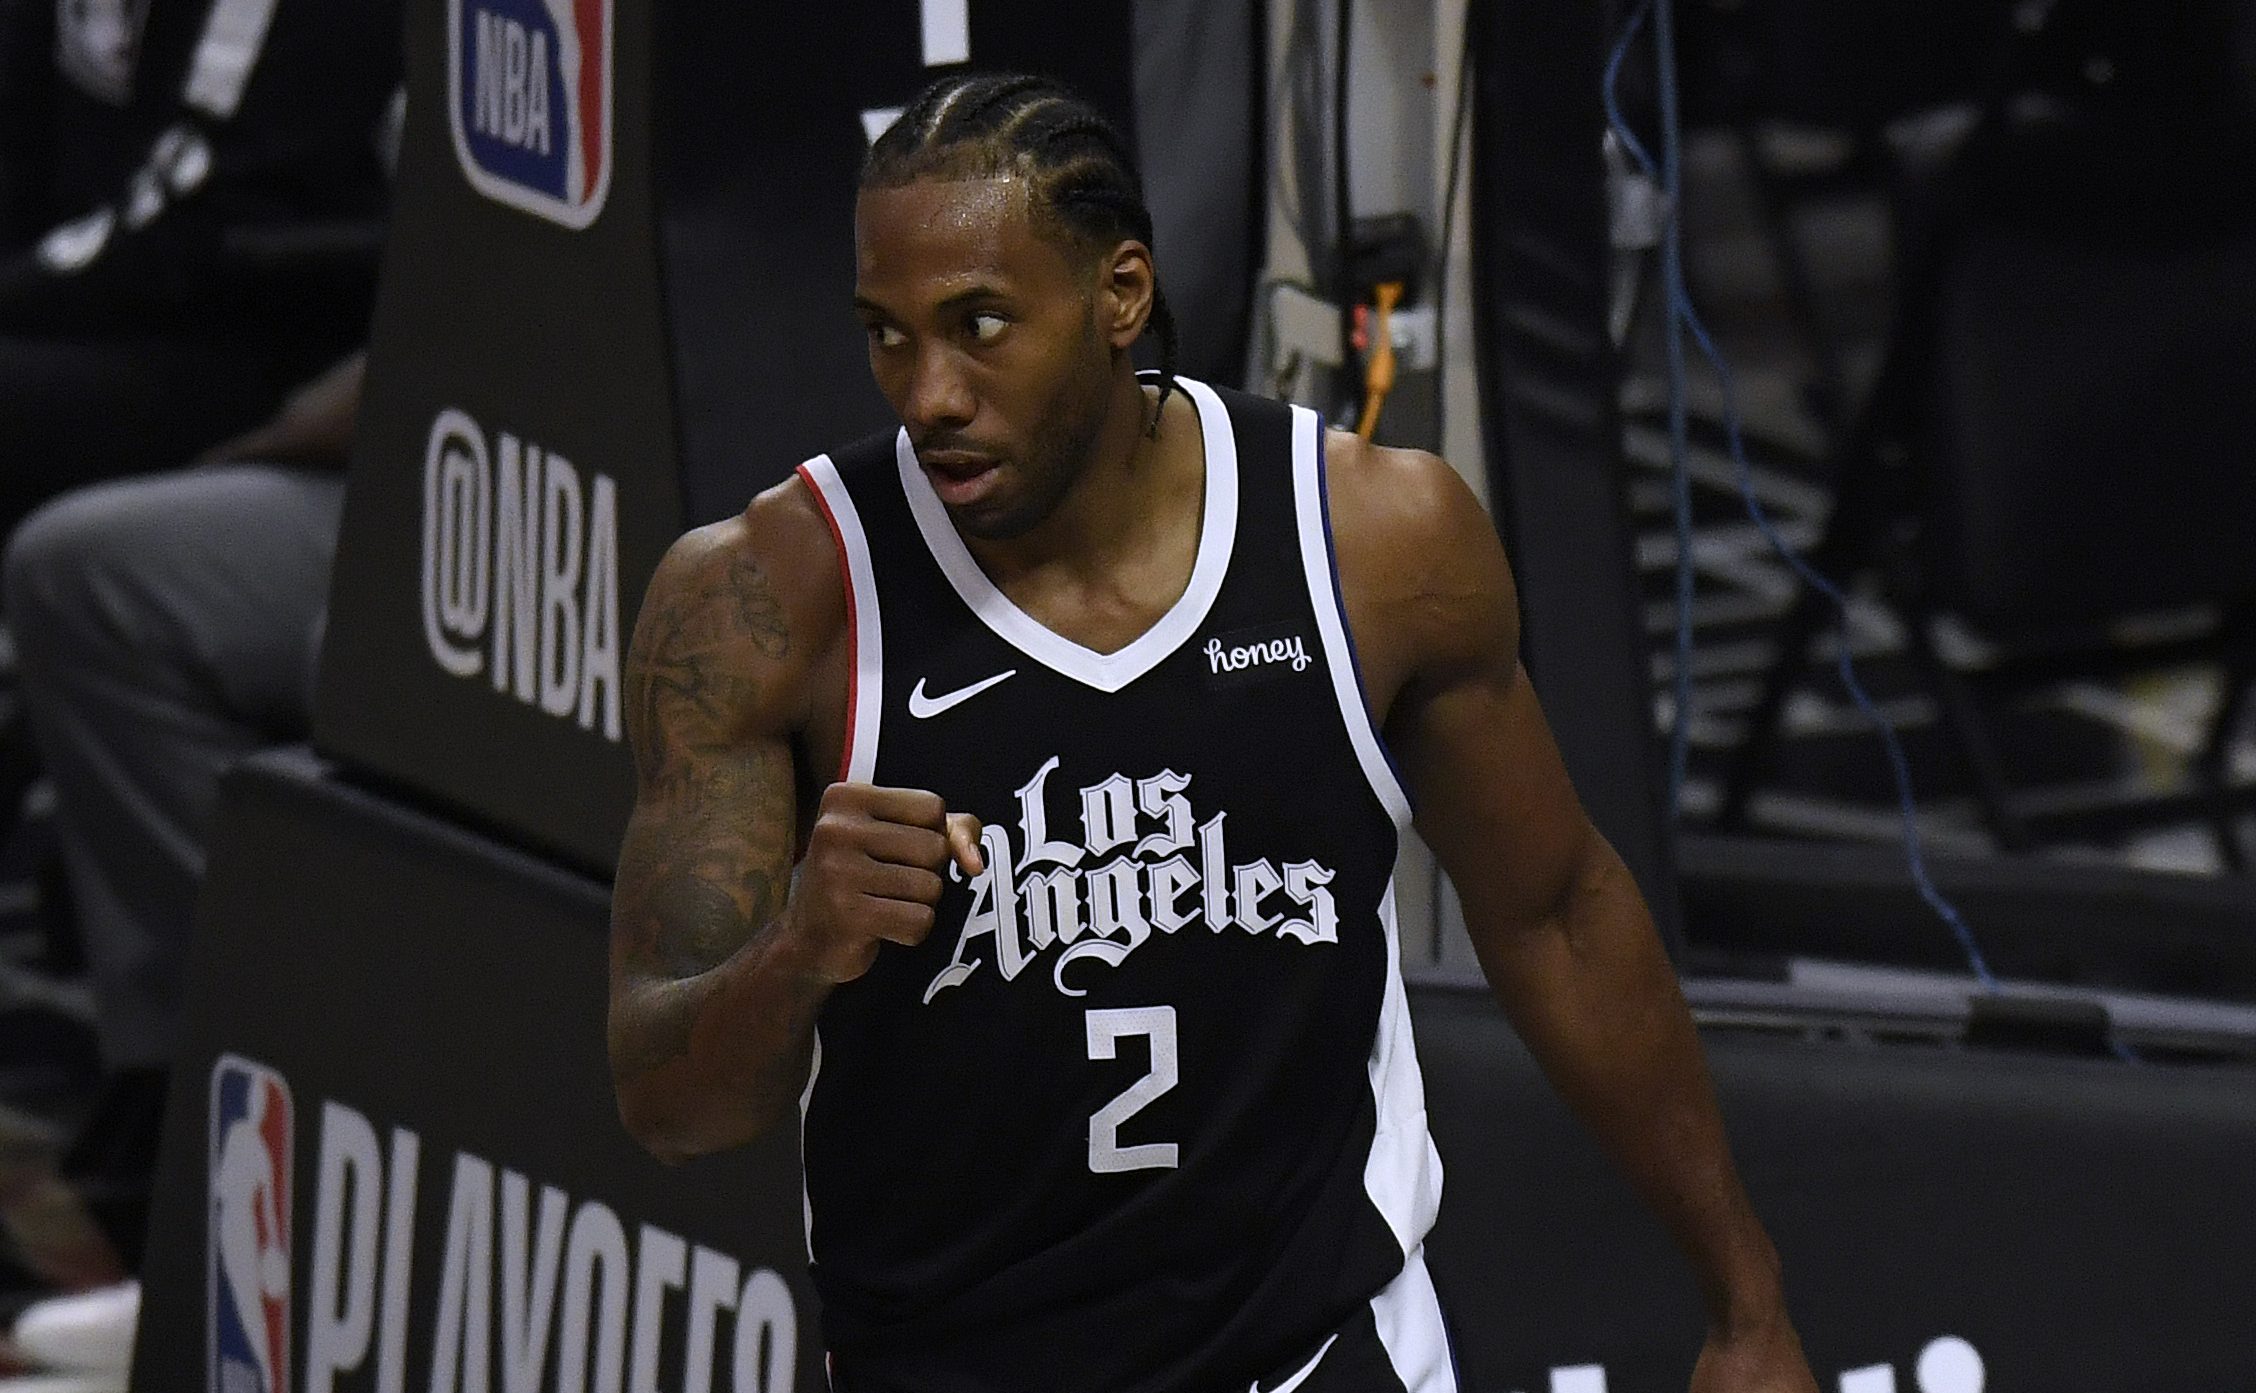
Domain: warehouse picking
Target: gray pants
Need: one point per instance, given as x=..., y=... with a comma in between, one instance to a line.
x=165, y=627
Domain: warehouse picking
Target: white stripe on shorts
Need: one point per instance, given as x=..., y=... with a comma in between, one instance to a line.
x=1409, y=1318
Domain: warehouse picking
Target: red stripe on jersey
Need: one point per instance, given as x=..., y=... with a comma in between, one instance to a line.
x=853, y=633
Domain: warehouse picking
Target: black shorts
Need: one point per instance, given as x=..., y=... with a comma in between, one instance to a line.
x=1396, y=1344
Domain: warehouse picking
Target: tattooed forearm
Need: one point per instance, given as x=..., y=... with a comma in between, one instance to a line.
x=657, y=1038
x=707, y=1035
x=692, y=922
x=674, y=930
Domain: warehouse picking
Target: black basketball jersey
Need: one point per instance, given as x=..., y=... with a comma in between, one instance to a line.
x=1142, y=1113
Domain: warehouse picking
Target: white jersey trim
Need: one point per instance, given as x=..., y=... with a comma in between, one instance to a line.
x=1403, y=1174
x=1311, y=506
x=1408, y=1314
x=806, y=1098
x=1107, y=672
x=867, y=699
x=234, y=36
x=1305, y=1370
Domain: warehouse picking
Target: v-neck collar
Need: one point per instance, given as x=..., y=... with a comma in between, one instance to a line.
x=1107, y=672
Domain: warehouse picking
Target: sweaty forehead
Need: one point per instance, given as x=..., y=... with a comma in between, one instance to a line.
x=936, y=236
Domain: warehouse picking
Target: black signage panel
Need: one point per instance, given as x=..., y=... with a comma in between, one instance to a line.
x=391, y=1159
x=392, y=1154
x=1950, y=1220
x=514, y=479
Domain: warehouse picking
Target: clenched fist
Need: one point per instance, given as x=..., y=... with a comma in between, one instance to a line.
x=871, y=874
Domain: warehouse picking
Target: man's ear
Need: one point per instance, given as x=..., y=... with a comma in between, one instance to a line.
x=1127, y=285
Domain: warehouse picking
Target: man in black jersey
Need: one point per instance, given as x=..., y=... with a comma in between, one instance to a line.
x=1091, y=706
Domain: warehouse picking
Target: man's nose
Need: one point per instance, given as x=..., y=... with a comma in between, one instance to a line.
x=939, y=397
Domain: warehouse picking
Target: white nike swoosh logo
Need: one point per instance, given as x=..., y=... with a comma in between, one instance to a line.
x=1305, y=1370
x=924, y=708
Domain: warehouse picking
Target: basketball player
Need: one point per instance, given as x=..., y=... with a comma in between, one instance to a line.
x=1092, y=707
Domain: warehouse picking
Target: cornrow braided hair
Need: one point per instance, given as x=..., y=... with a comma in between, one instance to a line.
x=1076, y=165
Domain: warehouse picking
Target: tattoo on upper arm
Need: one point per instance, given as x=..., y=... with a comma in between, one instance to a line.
x=683, y=680
x=759, y=610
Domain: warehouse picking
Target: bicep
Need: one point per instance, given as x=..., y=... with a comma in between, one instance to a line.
x=709, y=664
x=1493, y=797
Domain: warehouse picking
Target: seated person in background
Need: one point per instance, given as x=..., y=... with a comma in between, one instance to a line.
x=189, y=212
x=165, y=627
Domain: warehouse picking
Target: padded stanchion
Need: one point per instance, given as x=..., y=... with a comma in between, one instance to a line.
x=391, y=1143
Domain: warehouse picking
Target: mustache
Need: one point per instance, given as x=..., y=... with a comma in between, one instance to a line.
x=951, y=443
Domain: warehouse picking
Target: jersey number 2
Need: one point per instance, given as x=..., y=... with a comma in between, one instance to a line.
x=1156, y=1023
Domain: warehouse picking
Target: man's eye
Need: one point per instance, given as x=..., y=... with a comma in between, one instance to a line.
x=886, y=336
x=986, y=328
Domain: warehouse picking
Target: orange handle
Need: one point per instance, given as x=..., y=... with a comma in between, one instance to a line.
x=1378, y=374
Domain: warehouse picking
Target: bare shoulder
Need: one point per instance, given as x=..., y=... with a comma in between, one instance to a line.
x=1421, y=568
x=1402, y=485
x=737, y=615
x=766, y=580
x=781, y=533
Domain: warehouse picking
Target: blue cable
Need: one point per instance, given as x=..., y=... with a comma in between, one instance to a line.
x=1684, y=318
x=1679, y=412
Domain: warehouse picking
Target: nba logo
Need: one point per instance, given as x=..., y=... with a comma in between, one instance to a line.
x=529, y=97
x=248, y=1271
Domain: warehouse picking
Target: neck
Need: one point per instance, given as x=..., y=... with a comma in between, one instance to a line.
x=1119, y=502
